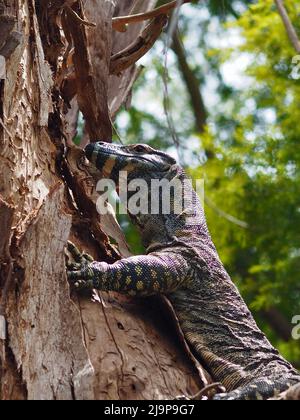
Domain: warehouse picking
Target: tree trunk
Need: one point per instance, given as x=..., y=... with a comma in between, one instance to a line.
x=53, y=345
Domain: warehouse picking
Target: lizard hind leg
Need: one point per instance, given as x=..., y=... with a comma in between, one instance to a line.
x=261, y=389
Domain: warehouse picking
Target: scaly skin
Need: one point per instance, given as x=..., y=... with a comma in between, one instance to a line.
x=182, y=263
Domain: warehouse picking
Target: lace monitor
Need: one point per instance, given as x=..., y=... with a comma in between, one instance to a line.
x=182, y=263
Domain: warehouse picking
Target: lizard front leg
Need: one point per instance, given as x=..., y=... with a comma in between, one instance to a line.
x=144, y=275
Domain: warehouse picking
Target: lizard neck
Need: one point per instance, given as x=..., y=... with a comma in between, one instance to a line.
x=170, y=223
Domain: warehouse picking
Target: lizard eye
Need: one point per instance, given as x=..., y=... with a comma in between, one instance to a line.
x=140, y=148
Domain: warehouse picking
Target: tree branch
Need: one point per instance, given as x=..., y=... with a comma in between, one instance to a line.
x=191, y=82
x=131, y=54
x=96, y=115
x=291, y=31
x=119, y=23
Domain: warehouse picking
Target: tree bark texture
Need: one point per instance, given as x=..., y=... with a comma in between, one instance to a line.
x=56, y=345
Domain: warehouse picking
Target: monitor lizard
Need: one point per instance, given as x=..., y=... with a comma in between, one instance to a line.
x=182, y=263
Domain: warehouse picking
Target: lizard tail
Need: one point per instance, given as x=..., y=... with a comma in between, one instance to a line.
x=260, y=389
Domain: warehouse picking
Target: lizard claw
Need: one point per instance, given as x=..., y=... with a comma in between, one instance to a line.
x=78, y=256
x=80, y=274
x=73, y=266
x=82, y=280
x=74, y=251
x=88, y=257
x=83, y=285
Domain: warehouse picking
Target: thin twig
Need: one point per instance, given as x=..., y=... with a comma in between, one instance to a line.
x=203, y=374
x=171, y=124
x=204, y=392
x=69, y=9
x=291, y=31
x=218, y=387
x=165, y=77
x=119, y=23
x=115, y=129
x=225, y=215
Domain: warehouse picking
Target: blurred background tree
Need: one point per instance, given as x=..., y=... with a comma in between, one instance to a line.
x=233, y=95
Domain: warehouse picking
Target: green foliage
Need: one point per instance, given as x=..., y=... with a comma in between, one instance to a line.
x=224, y=8
x=133, y=237
x=253, y=174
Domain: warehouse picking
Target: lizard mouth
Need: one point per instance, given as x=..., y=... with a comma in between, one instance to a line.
x=111, y=161
x=127, y=156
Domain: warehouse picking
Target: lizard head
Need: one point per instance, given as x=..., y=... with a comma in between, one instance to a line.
x=138, y=160
x=164, y=193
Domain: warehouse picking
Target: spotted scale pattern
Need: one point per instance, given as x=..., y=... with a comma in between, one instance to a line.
x=182, y=262
x=136, y=276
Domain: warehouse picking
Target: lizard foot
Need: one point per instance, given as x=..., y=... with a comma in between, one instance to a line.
x=80, y=273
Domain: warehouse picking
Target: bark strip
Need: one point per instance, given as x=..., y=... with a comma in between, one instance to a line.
x=130, y=55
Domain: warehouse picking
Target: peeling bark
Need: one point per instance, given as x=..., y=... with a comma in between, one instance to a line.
x=44, y=325
x=120, y=86
x=58, y=345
